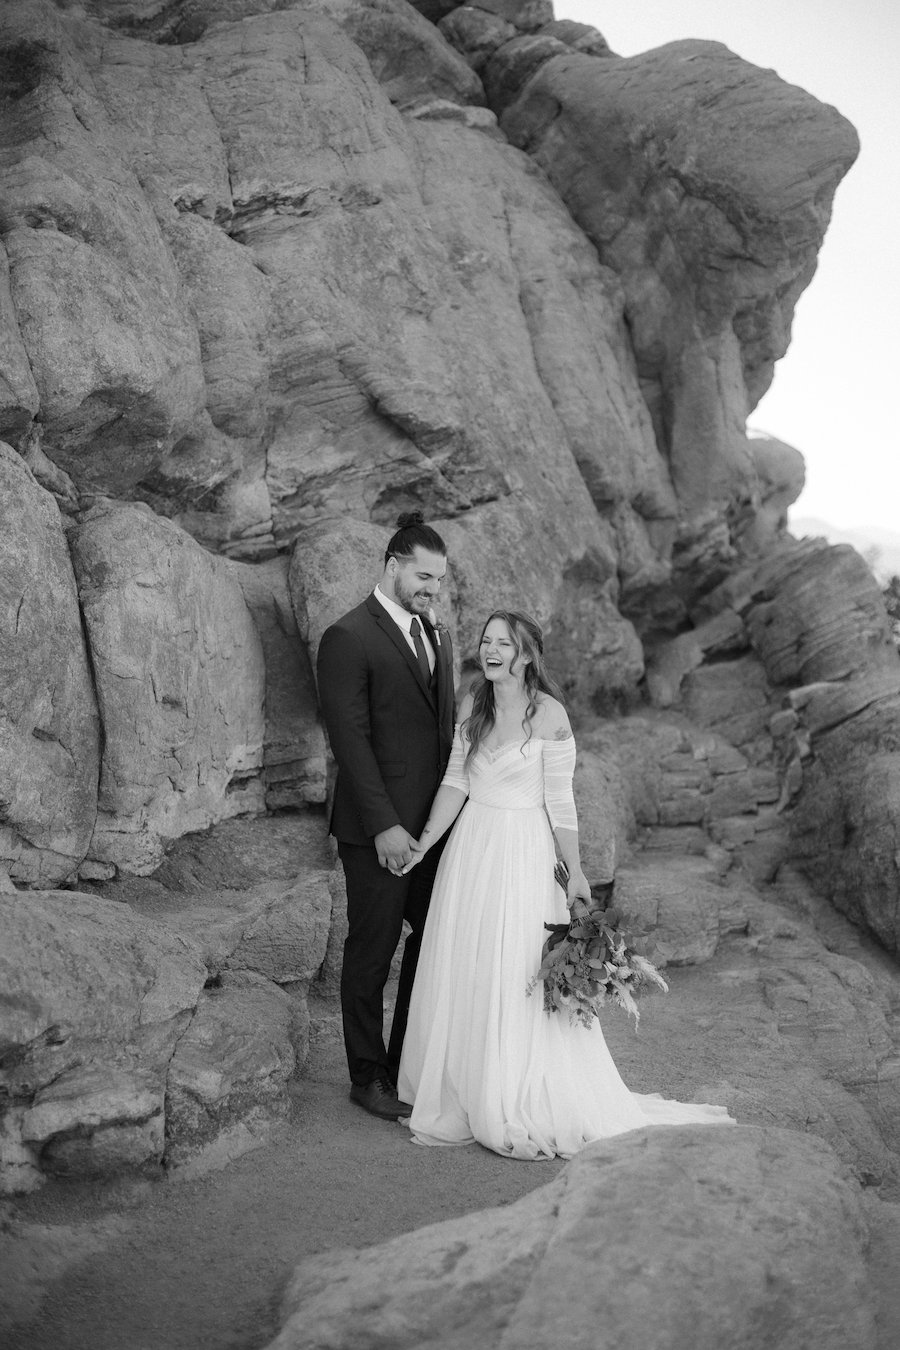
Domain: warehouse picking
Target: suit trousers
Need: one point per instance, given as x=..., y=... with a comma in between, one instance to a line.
x=377, y=904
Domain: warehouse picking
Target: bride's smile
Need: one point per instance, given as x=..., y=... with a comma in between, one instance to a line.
x=499, y=652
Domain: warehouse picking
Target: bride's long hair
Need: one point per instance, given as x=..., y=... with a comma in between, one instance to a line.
x=528, y=641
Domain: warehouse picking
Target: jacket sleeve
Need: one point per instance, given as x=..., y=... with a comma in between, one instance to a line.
x=342, y=672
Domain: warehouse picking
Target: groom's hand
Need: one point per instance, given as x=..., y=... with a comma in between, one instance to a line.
x=394, y=848
x=418, y=852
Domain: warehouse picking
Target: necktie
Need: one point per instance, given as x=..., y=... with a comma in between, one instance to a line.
x=421, y=654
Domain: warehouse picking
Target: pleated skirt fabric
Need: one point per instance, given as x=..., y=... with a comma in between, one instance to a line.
x=482, y=1060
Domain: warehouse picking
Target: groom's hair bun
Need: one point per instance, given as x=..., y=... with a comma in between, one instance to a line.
x=413, y=533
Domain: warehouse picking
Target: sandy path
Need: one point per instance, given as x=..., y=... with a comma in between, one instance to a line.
x=200, y=1265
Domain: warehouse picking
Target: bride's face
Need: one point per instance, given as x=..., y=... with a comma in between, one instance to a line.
x=499, y=655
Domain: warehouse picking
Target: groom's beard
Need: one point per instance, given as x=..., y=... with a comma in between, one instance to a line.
x=413, y=601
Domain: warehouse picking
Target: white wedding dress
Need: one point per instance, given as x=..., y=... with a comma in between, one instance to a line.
x=482, y=1060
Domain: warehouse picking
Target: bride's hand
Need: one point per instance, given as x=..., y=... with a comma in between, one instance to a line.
x=577, y=888
x=418, y=852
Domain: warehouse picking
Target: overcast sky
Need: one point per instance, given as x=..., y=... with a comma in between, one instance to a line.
x=833, y=394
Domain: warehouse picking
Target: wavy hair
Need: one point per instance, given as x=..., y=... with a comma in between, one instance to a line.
x=528, y=641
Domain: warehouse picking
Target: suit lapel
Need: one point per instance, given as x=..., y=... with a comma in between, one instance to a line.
x=387, y=625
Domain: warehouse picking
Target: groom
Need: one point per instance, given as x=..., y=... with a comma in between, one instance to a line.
x=385, y=679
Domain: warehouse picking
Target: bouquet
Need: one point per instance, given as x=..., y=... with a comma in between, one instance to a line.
x=592, y=960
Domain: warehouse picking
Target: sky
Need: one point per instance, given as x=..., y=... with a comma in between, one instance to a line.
x=833, y=394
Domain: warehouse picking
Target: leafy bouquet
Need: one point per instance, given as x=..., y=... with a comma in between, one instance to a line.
x=592, y=960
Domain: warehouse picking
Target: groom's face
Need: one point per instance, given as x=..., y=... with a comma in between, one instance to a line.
x=417, y=580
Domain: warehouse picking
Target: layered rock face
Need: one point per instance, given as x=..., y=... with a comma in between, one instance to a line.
x=271, y=273
x=160, y=1022
x=74, y=1109
x=793, y=661
x=272, y=266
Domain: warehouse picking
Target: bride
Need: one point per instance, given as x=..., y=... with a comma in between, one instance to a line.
x=482, y=1060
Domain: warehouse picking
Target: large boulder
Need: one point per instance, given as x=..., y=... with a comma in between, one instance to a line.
x=180, y=682
x=95, y=1001
x=657, y=1240
x=186, y=1057
x=227, y=1083
x=681, y=900
x=253, y=896
x=49, y=729
x=332, y=569
x=275, y=929
x=276, y=926
x=475, y=33
x=706, y=184
x=408, y=58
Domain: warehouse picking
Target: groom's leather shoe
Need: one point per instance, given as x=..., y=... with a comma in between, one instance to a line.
x=379, y=1099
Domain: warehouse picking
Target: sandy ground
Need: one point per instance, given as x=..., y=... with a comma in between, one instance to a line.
x=178, y=1264
x=200, y=1265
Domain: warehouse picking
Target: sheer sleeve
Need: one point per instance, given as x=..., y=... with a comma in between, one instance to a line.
x=457, y=775
x=559, y=766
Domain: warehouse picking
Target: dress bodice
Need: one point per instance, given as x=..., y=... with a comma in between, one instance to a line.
x=510, y=777
x=518, y=776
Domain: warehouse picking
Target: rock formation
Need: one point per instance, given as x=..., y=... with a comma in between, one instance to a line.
x=96, y=1001
x=664, y=1238
x=49, y=727
x=274, y=270
x=161, y=1021
x=178, y=670
x=264, y=316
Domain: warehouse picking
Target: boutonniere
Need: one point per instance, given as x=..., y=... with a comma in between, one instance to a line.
x=439, y=627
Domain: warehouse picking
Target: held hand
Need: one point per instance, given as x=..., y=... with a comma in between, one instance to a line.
x=417, y=854
x=394, y=848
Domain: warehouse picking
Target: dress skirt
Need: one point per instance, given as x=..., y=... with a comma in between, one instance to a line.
x=482, y=1060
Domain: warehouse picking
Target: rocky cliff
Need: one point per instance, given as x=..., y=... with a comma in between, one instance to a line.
x=273, y=270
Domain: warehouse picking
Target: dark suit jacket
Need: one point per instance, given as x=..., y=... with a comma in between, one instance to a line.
x=389, y=734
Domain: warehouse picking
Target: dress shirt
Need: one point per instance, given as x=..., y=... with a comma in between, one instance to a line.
x=403, y=619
